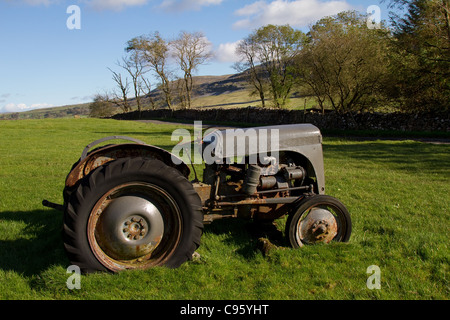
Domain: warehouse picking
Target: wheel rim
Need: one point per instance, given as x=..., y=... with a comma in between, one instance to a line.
x=319, y=224
x=134, y=226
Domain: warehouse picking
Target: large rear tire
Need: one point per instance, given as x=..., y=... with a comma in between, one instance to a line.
x=132, y=213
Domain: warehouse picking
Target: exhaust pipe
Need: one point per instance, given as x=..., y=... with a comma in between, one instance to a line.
x=52, y=205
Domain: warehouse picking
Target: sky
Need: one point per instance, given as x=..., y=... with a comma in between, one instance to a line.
x=57, y=52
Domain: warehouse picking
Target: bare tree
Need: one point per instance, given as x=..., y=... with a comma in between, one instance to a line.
x=135, y=68
x=153, y=52
x=246, y=50
x=190, y=51
x=121, y=100
x=181, y=93
x=148, y=92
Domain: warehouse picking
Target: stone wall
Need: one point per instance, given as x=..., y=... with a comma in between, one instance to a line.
x=330, y=120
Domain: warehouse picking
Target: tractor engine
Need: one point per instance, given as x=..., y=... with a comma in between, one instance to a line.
x=270, y=178
x=252, y=190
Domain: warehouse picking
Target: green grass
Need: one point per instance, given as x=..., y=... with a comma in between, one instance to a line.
x=396, y=191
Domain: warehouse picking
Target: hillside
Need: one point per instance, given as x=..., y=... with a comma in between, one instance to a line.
x=77, y=110
x=225, y=91
x=214, y=91
x=232, y=89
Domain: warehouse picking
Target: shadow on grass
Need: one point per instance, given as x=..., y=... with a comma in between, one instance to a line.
x=247, y=235
x=33, y=242
x=132, y=134
x=153, y=131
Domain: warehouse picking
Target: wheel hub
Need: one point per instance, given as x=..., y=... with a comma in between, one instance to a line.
x=319, y=225
x=130, y=227
x=135, y=228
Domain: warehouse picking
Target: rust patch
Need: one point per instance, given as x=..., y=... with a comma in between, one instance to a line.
x=203, y=190
x=109, y=153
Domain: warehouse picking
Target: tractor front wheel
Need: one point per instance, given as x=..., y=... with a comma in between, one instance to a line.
x=318, y=219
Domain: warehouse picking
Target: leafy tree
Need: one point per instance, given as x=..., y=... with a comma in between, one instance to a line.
x=274, y=49
x=344, y=63
x=101, y=107
x=421, y=60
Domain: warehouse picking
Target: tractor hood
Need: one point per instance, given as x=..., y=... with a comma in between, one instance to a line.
x=304, y=139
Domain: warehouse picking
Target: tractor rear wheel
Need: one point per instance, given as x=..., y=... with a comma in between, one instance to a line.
x=318, y=219
x=132, y=213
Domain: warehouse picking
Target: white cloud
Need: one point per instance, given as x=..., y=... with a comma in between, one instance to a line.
x=35, y=2
x=184, y=5
x=39, y=2
x=20, y=107
x=297, y=13
x=115, y=5
x=82, y=98
x=226, y=52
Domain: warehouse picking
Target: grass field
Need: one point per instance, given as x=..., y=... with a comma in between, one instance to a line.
x=397, y=193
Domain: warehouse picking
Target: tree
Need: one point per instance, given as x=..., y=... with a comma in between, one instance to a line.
x=344, y=62
x=154, y=52
x=278, y=46
x=121, y=99
x=148, y=92
x=135, y=68
x=421, y=61
x=274, y=48
x=101, y=107
x=190, y=51
x=246, y=49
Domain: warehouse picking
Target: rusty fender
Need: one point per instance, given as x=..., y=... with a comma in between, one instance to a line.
x=98, y=157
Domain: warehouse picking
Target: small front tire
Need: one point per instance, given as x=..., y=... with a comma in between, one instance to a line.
x=318, y=219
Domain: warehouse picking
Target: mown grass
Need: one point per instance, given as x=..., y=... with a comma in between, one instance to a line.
x=396, y=192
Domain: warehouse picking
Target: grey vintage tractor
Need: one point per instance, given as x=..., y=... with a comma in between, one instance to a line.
x=132, y=206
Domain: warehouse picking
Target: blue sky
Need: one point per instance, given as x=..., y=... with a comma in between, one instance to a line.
x=43, y=63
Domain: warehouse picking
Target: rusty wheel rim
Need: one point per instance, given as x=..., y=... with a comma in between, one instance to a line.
x=134, y=226
x=319, y=224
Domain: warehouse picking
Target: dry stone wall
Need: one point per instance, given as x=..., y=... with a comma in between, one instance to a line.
x=329, y=121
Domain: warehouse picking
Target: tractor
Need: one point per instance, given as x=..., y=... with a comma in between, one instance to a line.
x=132, y=206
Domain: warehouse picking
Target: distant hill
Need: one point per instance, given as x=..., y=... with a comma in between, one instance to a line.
x=226, y=91
x=77, y=110
x=213, y=91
